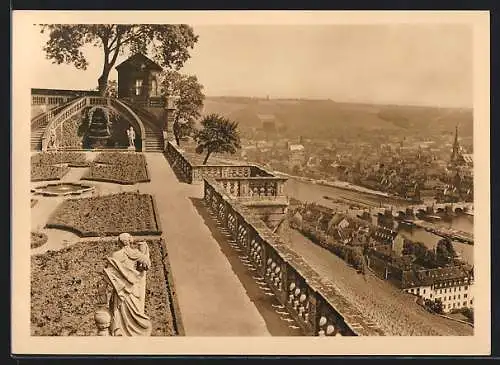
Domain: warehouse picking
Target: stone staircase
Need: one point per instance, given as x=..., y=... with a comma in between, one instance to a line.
x=154, y=135
x=154, y=139
x=36, y=139
x=41, y=123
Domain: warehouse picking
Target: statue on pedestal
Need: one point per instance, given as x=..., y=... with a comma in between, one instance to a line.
x=131, y=137
x=123, y=313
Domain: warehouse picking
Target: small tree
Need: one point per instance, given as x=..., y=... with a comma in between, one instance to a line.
x=218, y=135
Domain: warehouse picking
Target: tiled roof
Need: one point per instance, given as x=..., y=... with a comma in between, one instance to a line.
x=137, y=59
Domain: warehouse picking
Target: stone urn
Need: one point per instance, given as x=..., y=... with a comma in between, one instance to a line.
x=102, y=319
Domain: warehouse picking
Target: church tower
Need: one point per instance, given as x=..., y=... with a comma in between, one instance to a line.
x=455, y=154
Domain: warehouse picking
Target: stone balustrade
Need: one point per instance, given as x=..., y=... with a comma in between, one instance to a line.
x=43, y=119
x=195, y=173
x=315, y=305
x=72, y=109
x=254, y=188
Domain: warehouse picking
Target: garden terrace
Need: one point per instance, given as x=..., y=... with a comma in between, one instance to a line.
x=64, y=290
x=316, y=306
x=107, y=215
x=121, y=168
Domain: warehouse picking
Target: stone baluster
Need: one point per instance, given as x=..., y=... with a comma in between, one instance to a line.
x=327, y=328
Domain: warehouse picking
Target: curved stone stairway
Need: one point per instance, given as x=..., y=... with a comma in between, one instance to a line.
x=153, y=133
x=40, y=122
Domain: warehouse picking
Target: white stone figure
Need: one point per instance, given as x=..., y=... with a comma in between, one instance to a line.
x=126, y=273
x=131, y=137
x=52, y=139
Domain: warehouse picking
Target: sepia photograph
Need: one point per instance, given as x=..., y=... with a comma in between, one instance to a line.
x=204, y=184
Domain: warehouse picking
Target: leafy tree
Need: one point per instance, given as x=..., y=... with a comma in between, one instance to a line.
x=218, y=135
x=445, y=252
x=111, y=89
x=189, y=104
x=169, y=44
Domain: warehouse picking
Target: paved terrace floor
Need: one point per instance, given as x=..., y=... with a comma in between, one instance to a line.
x=211, y=298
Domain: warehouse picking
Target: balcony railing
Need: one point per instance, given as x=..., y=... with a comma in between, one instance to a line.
x=315, y=305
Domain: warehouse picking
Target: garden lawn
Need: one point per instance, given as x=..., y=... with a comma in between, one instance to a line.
x=64, y=290
x=107, y=215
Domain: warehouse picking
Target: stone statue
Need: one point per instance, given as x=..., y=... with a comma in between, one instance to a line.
x=125, y=273
x=52, y=139
x=131, y=137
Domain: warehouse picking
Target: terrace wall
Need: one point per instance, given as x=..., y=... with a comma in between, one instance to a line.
x=312, y=301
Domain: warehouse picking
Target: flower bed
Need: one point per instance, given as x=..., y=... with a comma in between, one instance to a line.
x=48, y=172
x=64, y=290
x=53, y=165
x=54, y=158
x=38, y=239
x=119, y=167
x=107, y=215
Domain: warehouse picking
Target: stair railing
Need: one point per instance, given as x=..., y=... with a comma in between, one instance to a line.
x=75, y=107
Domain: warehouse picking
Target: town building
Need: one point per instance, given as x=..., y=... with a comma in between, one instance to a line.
x=452, y=286
x=296, y=156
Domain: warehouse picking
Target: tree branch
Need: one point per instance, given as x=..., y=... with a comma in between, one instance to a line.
x=128, y=39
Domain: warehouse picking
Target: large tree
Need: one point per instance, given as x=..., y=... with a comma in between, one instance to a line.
x=168, y=44
x=189, y=103
x=218, y=135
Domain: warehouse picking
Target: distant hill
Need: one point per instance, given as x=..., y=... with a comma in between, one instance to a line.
x=324, y=118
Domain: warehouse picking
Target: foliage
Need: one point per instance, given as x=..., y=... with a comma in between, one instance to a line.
x=111, y=89
x=218, y=135
x=445, y=253
x=435, y=305
x=189, y=103
x=107, y=215
x=469, y=313
x=169, y=44
x=64, y=288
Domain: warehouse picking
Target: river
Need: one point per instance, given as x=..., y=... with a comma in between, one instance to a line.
x=309, y=192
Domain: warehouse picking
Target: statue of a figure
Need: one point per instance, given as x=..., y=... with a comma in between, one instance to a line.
x=126, y=274
x=131, y=136
x=52, y=139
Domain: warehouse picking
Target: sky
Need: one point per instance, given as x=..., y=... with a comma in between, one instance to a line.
x=418, y=64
